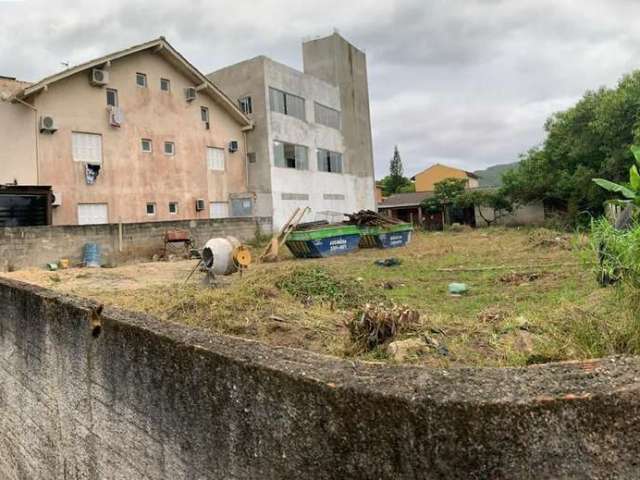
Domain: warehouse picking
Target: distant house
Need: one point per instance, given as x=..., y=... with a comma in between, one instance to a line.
x=407, y=206
x=426, y=179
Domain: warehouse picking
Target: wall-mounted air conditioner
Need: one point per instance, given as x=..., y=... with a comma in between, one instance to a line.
x=57, y=199
x=199, y=205
x=47, y=124
x=116, y=116
x=233, y=146
x=99, y=77
x=190, y=94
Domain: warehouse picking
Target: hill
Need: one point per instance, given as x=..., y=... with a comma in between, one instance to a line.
x=492, y=176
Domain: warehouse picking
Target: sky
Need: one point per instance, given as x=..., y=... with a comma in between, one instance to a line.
x=468, y=83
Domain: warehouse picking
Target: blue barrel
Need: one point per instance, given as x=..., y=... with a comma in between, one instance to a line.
x=91, y=255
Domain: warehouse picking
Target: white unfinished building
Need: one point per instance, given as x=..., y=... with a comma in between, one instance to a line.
x=311, y=145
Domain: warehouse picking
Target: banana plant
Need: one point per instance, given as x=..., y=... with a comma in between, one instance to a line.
x=632, y=190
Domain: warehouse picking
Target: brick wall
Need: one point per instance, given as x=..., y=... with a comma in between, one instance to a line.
x=22, y=247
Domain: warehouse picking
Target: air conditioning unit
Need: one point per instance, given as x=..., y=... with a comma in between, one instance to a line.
x=116, y=116
x=190, y=94
x=57, y=199
x=99, y=77
x=47, y=124
x=233, y=146
x=199, y=205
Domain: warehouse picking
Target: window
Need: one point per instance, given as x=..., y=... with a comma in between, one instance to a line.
x=173, y=208
x=251, y=157
x=245, y=104
x=169, y=148
x=112, y=97
x=290, y=156
x=327, y=116
x=204, y=116
x=165, y=84
x=241, y=207
x=141, y=80
x=92, y=213
x=87, y=147
x=218, y=210
x=329, y=161
x=215, y=158
x=151, y=209
x=145, y=143
x=286, y=103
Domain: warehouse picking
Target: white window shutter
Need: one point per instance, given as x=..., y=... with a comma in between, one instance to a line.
x=215, y=158
x=87, y=147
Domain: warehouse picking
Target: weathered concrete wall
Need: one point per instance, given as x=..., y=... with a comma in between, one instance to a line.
x=143, y=399
x=247, y=79
x=336, y=61
x=17, y=137
x=36, y=246
x=529, y=214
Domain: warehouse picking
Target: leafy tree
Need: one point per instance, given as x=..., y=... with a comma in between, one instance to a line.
x=407, y=188
x=493, y=200
x=589, y=140
x=449, y=190
x=446, y=194
x=396, y=182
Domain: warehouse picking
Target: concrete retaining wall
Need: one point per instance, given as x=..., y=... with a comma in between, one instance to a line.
x=123, y=396
x=22, y=247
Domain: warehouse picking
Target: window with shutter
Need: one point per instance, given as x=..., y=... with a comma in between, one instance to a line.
x=215, y=158
x=87, y=147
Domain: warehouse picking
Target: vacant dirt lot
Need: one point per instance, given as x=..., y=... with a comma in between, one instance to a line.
x=532, y=298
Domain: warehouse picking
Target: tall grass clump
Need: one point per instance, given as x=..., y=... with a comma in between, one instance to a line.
x=618, y=254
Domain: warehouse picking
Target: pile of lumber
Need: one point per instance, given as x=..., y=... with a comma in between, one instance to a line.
x=369, y=218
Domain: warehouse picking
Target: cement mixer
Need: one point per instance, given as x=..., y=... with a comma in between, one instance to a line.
x=224, y=256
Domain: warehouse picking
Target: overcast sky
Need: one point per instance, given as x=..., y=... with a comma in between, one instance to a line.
x=462, y=82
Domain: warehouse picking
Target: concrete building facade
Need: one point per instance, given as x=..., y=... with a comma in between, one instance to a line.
x=311, y=145
x=155, y=141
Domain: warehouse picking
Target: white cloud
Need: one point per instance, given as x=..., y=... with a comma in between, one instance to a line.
x=466, y=82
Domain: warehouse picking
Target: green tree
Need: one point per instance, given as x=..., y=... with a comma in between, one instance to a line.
x=589, y=140
x=446, y=194
x=495, y=201
x=396, y=182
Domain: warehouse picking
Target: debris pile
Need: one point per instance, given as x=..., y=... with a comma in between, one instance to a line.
x=544, y=238
x=519, y=278
x=369, y=218
x=377, y=324
x=388, y=262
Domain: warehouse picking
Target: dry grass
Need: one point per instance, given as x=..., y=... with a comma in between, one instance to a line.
x=530, y=300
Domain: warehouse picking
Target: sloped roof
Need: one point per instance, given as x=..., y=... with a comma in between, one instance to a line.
x=468, y=174
x=161, y=46
x=412, y=199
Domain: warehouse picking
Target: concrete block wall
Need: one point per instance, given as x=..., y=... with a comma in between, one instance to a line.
x=529, y=214
x=22, y=247
x=149, y=400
